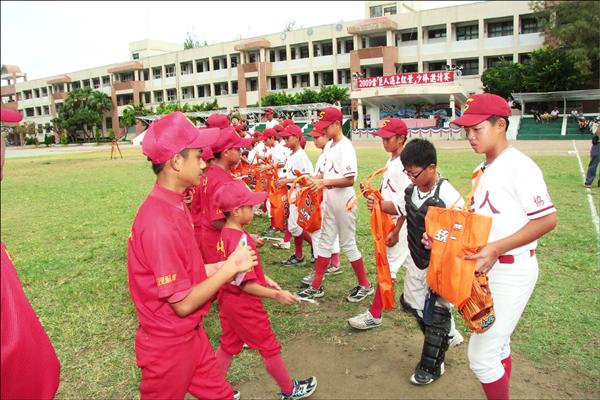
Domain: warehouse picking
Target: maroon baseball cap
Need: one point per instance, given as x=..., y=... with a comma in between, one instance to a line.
x=480, y=107
x=240, y=128
x=207, y=154
x=229, y=139
x=327, y=116
x=268, y=110
x=217, y=121
x=173, y=133
x=269, y=132
x=315, y=133
x=392, y=127
x=287, y=122
x=292, y=130
x=278, y=128
x=7, y=115
x=236, y=194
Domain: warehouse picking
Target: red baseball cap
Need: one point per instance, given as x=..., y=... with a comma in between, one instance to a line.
x=292, y=130
x=7, y=115
x=278, y=128
x=316, y=132
x=217, y=121
x=228, y=139
x=268, y=110
x=480, y=107
x=173, y=133
x=236, y=194
x=302, y=142
x=207, y=154
x=327, y=116
x=287, y=122
x=240, y=128
x=392, y=127
x=269, y=132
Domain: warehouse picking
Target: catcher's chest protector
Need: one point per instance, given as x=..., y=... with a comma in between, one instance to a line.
x=415, y=219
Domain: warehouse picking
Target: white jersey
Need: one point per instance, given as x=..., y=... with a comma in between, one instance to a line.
x=280, y=155
x=298, y=161
x=271, y=123
x=340, y=162
x=320, y=165
x=512, y=191
x=394, y=183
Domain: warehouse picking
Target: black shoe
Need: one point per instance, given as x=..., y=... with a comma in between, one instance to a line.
x=292, y=261
x=302, y=389
x=421, y=377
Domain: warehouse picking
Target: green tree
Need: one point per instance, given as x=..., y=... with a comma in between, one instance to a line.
x=190, y=42
x=504, y=79
x=278, y=99
x=307, y=96
x=574, y=26
x=554, y=69
x=82, y=110
x=332, y=93
x=130, y=113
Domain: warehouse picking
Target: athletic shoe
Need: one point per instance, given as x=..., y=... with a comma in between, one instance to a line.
x=292, y=261
x=302, y=389
x=331, y=270
x=313, y=259
x=236, y=395
x=282, y=245
x=308, y=279
x=359, y=293
x=455, y=340
x=421, y=377
x=587, y=186
x=311, y=293
x=365, y=321
x=270, y=231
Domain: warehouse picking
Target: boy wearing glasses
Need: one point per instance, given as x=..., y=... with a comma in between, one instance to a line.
x=427, y=189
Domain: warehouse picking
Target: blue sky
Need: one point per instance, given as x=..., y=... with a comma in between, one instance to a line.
x=49, y=38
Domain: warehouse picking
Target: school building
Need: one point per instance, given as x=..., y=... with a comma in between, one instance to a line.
x=399, y=60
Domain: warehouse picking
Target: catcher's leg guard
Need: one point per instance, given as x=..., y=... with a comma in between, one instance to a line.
x=431, y=366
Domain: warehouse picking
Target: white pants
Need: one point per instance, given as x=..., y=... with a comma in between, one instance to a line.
x=293, y=226
x=337, y=221
x=416, y=289
x=511, y=286
x=398, y=253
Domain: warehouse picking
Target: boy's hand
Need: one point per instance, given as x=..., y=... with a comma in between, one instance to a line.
x=486, y=258
x=392, y=238
x=242, y=259
x=315, y=184
x=257, y=240
x=370, y=202
x=285, y=297
x=426, y=241
x=272, y=284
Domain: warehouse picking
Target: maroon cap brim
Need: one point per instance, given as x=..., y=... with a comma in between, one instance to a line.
x=322, y=125
x=205, y=137
x=243, y=143
x=255, y=198
x=383, y=133
x=7, y=115
x=470, y=119
x=315, y=134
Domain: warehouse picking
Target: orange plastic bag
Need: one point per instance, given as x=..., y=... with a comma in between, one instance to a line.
x=309, y=209
x=455, y=233
x=280, y=208
x=381, y=226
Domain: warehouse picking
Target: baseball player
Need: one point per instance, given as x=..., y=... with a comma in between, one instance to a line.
x=512, y=191
x=271, y=122
x=340, y=172
x=241, y=310
x=29, y=368
x=208, y=219
x=394, y=183
x=280, y=155
x=428, y=188
x=297, y=162
x=334, y=268
x=167, y=278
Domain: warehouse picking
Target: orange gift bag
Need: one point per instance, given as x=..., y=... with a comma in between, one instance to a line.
x=280, y=208
x=309, y=209
x=455, y=233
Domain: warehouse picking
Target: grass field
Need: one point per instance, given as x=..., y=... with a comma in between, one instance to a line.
x=66, y=219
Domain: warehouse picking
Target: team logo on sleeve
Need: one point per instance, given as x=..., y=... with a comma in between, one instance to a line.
x=538, y=201
x=163, y=280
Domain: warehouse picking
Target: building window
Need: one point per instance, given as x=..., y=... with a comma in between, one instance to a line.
x=96, y=83
x=158, y=96
x=46, y=110
x=529, y=25
x=105, y=80
x=436, y=66
x=493, y=62
x=322, y=49
x=467, y=32
x=36, y=93
x=408, y=36
x=186, y=68
x=216, y=64
x=470, y=67
x=27, y=95
x=303, y=51
x=233, y=60
x=282, y=55
x=253, y=57
x=171, y=94
x=376, y=11
x=327, y=78
x=389, y=10
x=29, y=112
x=234, y=87
x=407, y=68
x=503, y=28
x=76, y=85
x=170, y=71
x=436, y=33
x=86, y=83
x=135, y=56
x=157, y=73
x=38, y=111
x=44, y=92
x=126, y=77
x=187, y=93
x=203, y=90
x=525, y=58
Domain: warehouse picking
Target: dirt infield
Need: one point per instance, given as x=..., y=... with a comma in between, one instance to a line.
x=377, y=364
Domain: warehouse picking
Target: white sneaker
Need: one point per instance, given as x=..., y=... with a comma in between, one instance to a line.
x=455, y=340
x=365, y=321
x=282, y=245
x=333, y=270
x=308, y=279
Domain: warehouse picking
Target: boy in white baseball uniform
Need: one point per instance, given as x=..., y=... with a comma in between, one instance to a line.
x=297, y=162
x=394, y=183
x=338, y=178
x=512, y=191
